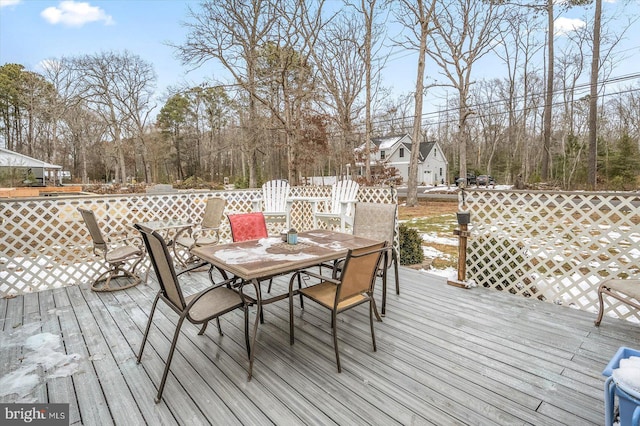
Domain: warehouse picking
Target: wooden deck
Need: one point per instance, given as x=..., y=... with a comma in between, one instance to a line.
x=445, y=356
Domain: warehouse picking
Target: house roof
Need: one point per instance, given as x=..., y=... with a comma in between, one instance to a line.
x=425, y=148
x=14, y=159
x=387, y=142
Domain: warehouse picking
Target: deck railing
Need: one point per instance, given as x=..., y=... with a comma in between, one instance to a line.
x=555, y=246
x=44, y=244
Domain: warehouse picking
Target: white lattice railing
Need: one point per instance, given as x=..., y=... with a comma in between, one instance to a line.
x=44, y=243
x=555, y=246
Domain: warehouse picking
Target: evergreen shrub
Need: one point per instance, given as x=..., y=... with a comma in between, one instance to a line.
x=410, y=246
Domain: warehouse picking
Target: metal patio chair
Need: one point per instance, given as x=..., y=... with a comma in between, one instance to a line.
x=377, y=221
x=117, y=253
x=199, y=308
x=624, y=290
x=353, y=288
x=207, y=232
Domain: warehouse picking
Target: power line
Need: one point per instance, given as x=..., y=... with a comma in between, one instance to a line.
x=488, y=104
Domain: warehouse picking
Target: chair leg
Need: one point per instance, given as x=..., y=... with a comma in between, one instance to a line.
x=395, y=271
x=269, y=288
x=375, y=309
x=103, y=282
x=204, y=327
x=371, y=310
x=601, y=309
x=170, y=358
x=291, y=337
x=146, y=332
x=384, y=285
x=135, y=265
x=219, y=327
x=256, y=284
x=301, y=296
x=246, y=330
x=334, y=328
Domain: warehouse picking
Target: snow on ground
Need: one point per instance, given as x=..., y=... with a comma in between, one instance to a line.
x=447, y=241
x=453, y=189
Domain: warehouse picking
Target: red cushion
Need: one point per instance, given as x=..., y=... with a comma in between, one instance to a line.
x=247, y=226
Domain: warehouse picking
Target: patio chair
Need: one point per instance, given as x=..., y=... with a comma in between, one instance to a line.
x=354, y=287
x=377, y=221
x=117, y=253
x=624, y=290
x=204, y=234
x=247, y=226
x=340, y=208
x=199, y=308
x=273, y=203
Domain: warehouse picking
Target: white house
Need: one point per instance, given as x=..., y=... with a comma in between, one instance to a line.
x=395, y=151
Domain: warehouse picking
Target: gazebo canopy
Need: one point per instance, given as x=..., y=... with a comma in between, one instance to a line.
x=12, y=159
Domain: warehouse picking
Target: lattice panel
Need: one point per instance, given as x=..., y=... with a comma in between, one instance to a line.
x=557, y=247
x=44, y=243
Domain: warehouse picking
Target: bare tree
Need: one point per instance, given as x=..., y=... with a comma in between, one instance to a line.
x=608, y=41
x=232, y=34
x=416, y=17
x=516, y=49
x=368, y=50
x=287, y=67
x=115, y=85
x=464, y=31
x=593, y=98
x=335, y=54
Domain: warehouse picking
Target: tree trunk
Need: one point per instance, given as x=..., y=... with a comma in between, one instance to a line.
x=593, y=100
x=412, y=184
x=546, y=150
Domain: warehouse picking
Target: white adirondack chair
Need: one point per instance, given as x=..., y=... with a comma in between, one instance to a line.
x=341, y=206
x=273, y=203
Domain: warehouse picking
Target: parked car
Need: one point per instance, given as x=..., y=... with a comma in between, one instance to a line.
x=485, y=180
x=471, y=180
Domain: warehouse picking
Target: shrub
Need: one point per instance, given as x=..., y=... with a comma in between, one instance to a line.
x=410, y=246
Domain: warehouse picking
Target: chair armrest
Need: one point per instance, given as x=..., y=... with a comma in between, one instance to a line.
x=345, y=205
x=192, y=267
x=207, y=290
x=187, y=229
x=319, y=276
x=135, y=239
x=256, y=204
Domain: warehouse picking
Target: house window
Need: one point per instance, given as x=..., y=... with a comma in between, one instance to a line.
x=401, y=152
x=382, y=155
x=435, y=152
x=440, y=171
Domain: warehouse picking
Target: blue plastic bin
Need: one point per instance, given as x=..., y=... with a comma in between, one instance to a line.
x=628, y=399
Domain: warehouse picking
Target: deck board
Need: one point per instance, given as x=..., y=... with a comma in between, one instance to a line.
x=445, y=356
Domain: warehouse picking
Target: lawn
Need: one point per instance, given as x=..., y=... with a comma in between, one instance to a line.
x=435, y=221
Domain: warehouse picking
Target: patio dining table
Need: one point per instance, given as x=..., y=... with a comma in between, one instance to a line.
x=165, y=226
x=256, y=260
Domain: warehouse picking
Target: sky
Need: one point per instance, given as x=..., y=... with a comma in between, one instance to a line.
x=32, y=31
